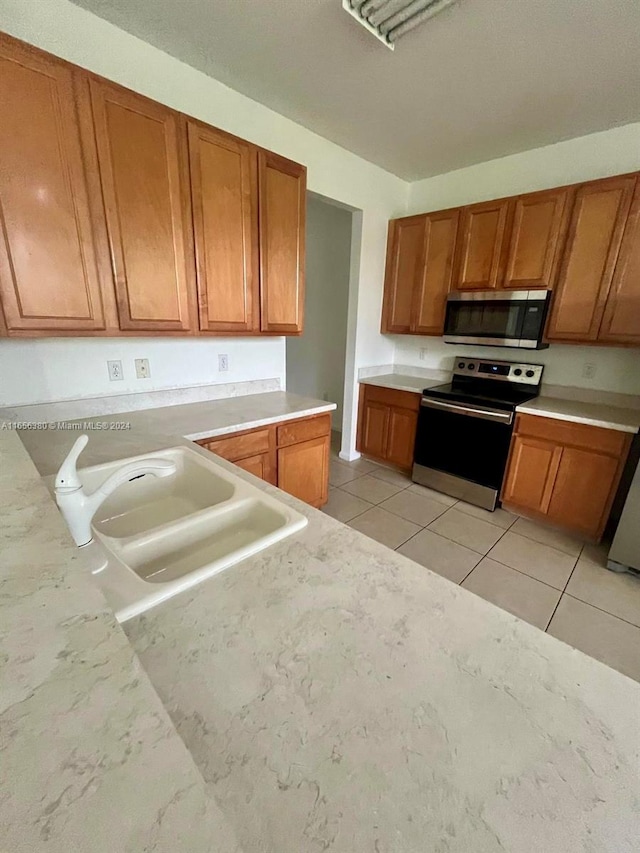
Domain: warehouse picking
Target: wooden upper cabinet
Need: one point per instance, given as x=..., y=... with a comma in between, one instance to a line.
x=621, y=321
x=480, y=252
x=144, y=180
x=405, y=248
x=434, y=283
x=593, y=242
x=282, y=200
x=537, y=234
x=49, y=279
x=225, y=223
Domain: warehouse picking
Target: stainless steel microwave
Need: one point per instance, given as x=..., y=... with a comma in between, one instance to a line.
x=497, y=318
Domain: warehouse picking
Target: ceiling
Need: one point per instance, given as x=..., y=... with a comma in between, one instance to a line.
x=483, y=79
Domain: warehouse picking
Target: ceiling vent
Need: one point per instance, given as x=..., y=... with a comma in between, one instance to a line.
x=390, y=19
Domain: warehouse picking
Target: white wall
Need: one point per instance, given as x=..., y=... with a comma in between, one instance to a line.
x=316, y=360
x=617, y=369
x=611, y=152
x=80, y=37
x=40, y=371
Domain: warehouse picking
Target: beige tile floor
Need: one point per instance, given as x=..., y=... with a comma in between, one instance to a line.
x=544, y=576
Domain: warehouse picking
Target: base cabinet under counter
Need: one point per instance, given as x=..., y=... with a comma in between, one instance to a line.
x=387, y=424
x=293, y=455
x=565, y=473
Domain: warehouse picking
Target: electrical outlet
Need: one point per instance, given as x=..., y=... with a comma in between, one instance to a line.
x=115, y=370
x=423, y=353
x=223, y=363
x=589, y=370
x=142, y=368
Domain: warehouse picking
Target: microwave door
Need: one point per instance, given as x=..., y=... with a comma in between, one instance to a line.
x=491, y=322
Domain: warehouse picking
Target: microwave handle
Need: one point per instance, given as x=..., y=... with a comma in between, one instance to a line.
x=472, y=411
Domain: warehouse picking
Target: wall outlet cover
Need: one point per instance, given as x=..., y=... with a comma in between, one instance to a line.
x=142, y=368
x=223, y=363
x=115, y=370
x=589, y=369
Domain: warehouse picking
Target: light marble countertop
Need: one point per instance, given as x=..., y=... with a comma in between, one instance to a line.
x=90, y=759
x=595, y=414
x=150, y=429
x=401, y=382
x=334, y=696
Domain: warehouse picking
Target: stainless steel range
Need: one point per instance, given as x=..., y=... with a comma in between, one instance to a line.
x=465, y=427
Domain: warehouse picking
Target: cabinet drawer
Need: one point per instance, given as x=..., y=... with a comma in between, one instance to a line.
x=292, y=433
x=608, y=441
x=392, y=397
x=237, y=447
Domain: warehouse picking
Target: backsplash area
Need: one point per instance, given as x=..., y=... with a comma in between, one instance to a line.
x=46, y=370
x=612, y=369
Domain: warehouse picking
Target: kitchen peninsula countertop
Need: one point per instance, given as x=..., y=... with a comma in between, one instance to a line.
x=335, y=695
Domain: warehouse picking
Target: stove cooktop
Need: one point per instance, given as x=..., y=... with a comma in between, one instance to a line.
x=506, y=398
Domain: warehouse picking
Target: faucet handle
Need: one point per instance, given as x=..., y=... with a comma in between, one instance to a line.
x=67, y=479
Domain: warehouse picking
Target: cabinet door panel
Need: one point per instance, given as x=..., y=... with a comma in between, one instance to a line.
x=621, y=322
x=259, y=466
x=480, y=246
x=595, y=231
x=437, y=269
x=405, y=257
x=142, y=169
x=225, y=220
x=533, y=466
x=402, y=437
x=303, y=470
x=374, y=429
x=48, y=267
x=583, y=490
x=536, y=237
x=282, y=198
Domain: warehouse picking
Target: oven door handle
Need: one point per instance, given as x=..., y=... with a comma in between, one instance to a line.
x=470, y=410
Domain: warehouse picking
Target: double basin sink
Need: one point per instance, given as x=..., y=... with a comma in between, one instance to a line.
x=163, y=535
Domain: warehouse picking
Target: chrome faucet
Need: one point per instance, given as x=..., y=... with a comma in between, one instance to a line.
x=77, y=507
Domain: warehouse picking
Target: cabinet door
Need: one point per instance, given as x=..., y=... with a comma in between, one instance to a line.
x=434, y=282
x=303, y=470
x=260, y=466
x=144, y=183
x=621, y=322
x=479, y=257
x=405, y=263
x=595, y=232
x=531, y=474
x=401, y=437
x=48, y=266
x=583, y=490
x=225, y=223
x=536, y=239
x=282, y=199
x=374, y=429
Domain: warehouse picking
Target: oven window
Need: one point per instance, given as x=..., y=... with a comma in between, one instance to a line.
x=485, y=319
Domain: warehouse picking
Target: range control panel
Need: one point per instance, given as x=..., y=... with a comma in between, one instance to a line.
x=506, y=371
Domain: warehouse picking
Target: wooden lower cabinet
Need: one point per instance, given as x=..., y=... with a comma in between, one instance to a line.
x=387, y=424
x=293, y=455
x=565, y=472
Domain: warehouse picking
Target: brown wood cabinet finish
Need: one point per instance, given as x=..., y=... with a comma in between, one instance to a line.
x=595, y=233
x=293, y=455
x=225, y=220
x=282, y=200
x=49, y=275
x=405, y=253
x=621, y=321
x=303, y=470
x=387, y=423
x=480, y=253
x=537, y=233
x=434, y=282
x=565, y=472
x=143, y=174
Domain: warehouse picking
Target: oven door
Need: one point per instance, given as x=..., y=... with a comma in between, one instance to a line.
x=464, y=440
x=497, y=319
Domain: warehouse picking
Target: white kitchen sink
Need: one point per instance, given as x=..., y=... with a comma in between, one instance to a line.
x=154, y=537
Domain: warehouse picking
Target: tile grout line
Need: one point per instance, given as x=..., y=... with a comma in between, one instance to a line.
x=562, y=593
